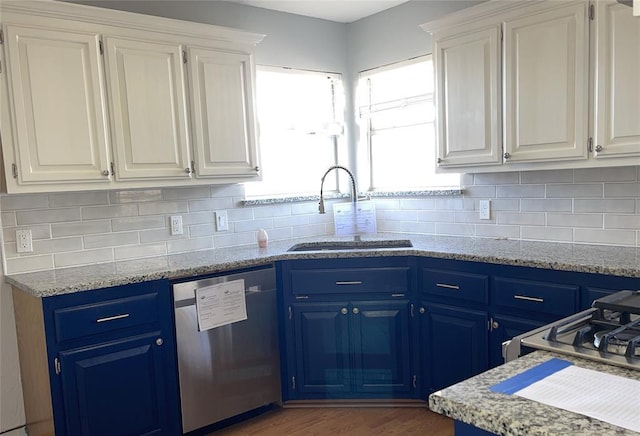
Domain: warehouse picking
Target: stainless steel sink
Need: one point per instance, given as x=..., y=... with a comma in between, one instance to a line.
x=351, y=245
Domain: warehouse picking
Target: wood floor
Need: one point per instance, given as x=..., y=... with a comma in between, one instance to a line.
x=343, y=421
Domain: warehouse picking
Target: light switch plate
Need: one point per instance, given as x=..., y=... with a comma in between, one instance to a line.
x=485, y=209
x=222, y=221
x=176, y=225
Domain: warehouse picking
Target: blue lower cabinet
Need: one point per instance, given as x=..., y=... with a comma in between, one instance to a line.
x=457, y=344
x=503, y=328
x=112, y=361
x=357, y=349
x=464, y=429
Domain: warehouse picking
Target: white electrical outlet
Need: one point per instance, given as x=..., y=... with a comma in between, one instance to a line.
x=485, y=209
x=222, y=222
x=24, y=241
x=176, y=225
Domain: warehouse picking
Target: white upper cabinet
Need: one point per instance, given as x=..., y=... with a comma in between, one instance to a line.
x=546, y=85
x=617, y=90
x=58, y=117
x=567, y=83
x=468, y=77
x=147, y=101
x=223, y=113
x=94, y=98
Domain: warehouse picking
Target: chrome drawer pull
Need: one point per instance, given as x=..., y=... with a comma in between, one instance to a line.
x=354, y=282
x=534, y=299
x=113, y=318
x=397, y=295
x=444, y=285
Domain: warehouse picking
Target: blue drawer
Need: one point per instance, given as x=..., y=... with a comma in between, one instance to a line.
x=392, y=280
x=534, y=296
x=448, y=285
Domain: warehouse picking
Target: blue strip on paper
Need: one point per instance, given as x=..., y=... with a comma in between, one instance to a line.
x=530, y=376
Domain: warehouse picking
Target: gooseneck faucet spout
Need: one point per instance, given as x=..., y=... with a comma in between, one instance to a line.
x=354, y=191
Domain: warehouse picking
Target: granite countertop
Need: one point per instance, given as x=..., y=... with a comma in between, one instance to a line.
x=619, y=261
x=471, y=402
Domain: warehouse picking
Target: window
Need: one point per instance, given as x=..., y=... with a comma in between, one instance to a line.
x=397, y=117
x=300, y=114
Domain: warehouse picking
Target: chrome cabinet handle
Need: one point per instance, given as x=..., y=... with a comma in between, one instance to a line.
x=347, y=282
x=112, y=318
x=159, y=342
x=524, y=297
x=494, y=325
x=507, y=155
x=599, y=148
x=105, y=173
x=422, y=310
x=187, y=170
x=444, y=285
x=356, y=311
x=344, y=311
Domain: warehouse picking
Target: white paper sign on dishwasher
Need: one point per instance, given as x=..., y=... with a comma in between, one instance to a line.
x=221, y=304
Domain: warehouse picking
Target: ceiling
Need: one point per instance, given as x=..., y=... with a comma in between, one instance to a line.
x=342, y=11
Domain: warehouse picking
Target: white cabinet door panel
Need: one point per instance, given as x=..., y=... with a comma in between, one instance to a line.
x=468, y=98
x=546, y=87
x=618, y=81
x=223, y=113
x=58, y=105
x=148, y=109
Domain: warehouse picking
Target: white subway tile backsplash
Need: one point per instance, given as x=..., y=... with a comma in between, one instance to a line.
x=520, y=191
x=162, y=207
x=137, y=196
x=560, y=234
x=138, y=223
x=84, y=257
x=598, y=205
x=139, y=251
x=585, y=206
x=185, y=245
x=22, y=202
x=62, y=199
x=598, y=236
x=613, y=221
x=575, y=220
x=610, y=174
x=546, y=205
x=111, y=240
x=80, y=228
x=591, y=190
x=621, y=190
x=522, y=219
x=113, y=211
x=41, y=216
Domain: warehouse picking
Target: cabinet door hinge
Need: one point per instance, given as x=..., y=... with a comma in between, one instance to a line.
x=101, y=47
x=290, y=313
x=113, y=169
x=412, y=314
x=1, y=37
x=14, y=170
x=56, y=365
x=415, y=381
x=489, y=324
x=184, y=56
x=293, y=383
x=590, y=145
x=592, y=12
x=501, y=35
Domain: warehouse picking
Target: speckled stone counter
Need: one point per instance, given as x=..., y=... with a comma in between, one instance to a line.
x=471, y=402
x=619, y=261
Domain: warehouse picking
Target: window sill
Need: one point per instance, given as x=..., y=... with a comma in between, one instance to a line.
x=372, y=194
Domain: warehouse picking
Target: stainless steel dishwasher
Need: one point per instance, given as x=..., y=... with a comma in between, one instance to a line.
x=230, y=369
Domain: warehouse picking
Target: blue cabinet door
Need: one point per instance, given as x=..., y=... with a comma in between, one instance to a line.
x=504, y=328
x=457, y=340
x=118, y=388
x=321, y=332
x=381, y=348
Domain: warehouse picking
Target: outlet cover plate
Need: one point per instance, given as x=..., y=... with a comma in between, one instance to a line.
x=485, y=209
x=222, y=221
x=176, y=225
x=24, y=241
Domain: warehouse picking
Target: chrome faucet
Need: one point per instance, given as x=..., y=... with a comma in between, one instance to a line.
x=354, y=191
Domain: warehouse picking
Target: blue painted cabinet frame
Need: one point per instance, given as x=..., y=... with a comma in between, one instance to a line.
x=112, y=365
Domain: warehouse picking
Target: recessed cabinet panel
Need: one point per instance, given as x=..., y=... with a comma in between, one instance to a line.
x=148, y=105
x=223, y=113
x=58, y=105
x=469, y=95
x=618, y=83
x=546, y=67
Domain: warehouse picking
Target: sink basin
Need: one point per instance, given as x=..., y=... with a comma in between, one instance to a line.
x=351, y=245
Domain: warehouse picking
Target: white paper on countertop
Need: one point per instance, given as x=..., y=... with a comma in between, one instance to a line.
x=599, y=395
x=221, y=304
